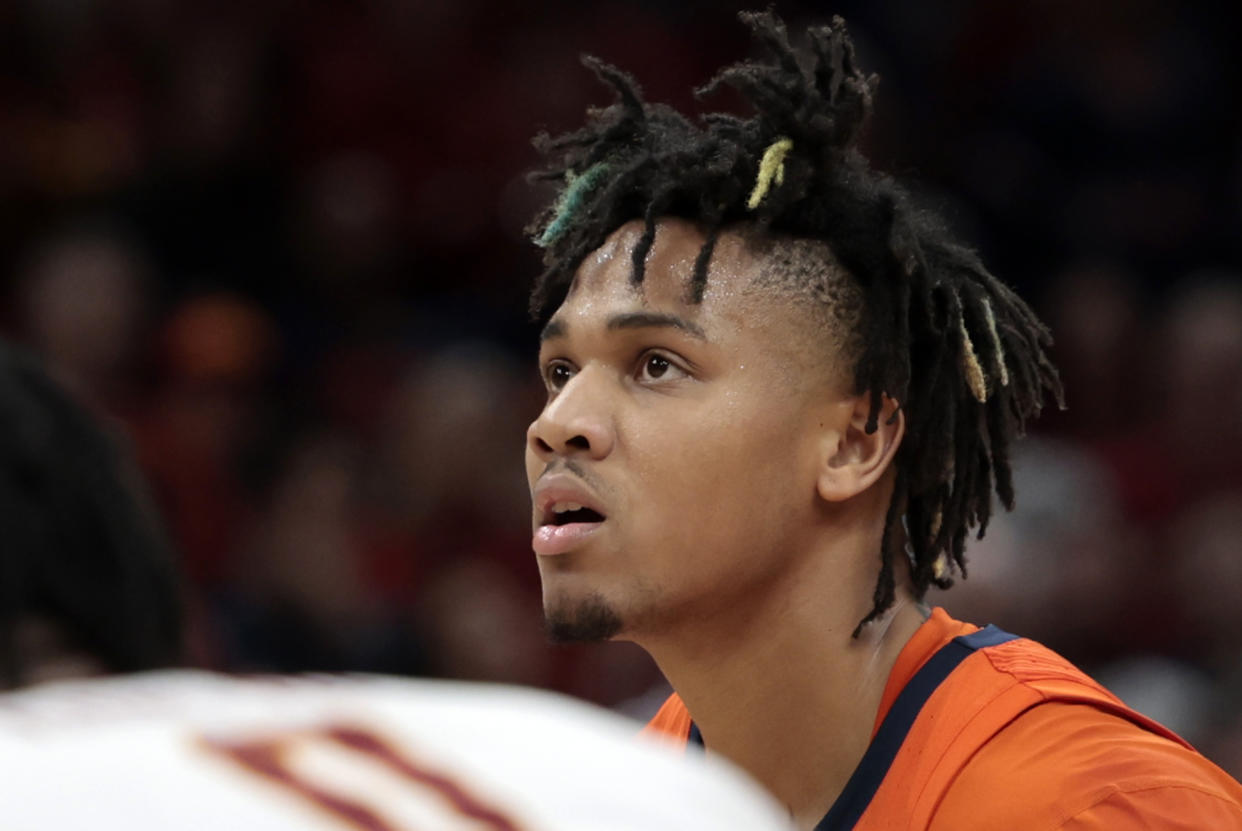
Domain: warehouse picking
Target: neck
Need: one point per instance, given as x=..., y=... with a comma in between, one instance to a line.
x=781, y=687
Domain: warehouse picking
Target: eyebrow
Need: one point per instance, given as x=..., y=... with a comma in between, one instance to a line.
x=554, y=329
x=631, y=320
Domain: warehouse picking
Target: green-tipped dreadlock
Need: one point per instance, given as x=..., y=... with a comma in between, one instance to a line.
x=963, y=355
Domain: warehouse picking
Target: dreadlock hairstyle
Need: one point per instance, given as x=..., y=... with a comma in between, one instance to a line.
x=963, y=356
x=79, y=547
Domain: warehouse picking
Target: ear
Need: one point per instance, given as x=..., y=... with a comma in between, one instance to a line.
x=852, y=459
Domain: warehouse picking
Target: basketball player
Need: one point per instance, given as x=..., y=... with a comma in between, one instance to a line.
x=779, y=397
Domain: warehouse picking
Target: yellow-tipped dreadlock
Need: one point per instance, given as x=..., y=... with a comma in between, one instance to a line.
x=771, y=167
x=974, y=371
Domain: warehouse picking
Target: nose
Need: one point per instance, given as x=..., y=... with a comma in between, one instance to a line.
x=577, y=422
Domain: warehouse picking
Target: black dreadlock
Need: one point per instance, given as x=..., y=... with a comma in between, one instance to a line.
x=78, y=546
x=961, y=353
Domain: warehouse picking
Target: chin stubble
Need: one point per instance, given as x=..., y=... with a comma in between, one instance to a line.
x=590, y=620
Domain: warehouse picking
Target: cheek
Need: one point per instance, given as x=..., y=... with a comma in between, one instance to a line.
x=730, y=481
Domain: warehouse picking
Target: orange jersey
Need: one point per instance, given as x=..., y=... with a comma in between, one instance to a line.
x=979, y=729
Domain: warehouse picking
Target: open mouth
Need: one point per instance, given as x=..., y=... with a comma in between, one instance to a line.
x=565, y=517
x=566, y=523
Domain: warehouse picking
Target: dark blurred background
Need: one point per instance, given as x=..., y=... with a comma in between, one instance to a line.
x=279, y=245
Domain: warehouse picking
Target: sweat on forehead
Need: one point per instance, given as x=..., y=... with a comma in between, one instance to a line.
x=745, y=259
x=793, y=289
x=668, y=266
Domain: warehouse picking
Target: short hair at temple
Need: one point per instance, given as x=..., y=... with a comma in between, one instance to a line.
x=961, y=353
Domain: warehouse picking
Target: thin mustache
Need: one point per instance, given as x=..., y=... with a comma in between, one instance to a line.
x=573, y=467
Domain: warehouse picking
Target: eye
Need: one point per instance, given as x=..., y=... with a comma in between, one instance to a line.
x=656, y=366
x=556, y=374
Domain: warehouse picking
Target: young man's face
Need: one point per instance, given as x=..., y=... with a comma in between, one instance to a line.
x=673, y=468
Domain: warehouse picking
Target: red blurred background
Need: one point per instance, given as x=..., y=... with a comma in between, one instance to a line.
x=280, y=244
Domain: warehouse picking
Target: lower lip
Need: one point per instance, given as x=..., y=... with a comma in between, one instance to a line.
x=550, y=540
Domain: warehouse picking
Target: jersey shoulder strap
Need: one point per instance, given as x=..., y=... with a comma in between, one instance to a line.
x=995, y=678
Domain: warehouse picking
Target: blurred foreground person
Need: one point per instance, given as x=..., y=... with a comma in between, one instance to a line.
x=779, y=398
x=323, y=753
x=88, y=587
x=88, y=584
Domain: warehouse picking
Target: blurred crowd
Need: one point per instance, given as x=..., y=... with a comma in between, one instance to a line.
x=279, y=245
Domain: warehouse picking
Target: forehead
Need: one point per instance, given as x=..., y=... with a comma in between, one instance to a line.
x=603, y=283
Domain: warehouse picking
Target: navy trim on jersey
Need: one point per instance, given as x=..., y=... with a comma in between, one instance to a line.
x=696, y=737
x=866, y=779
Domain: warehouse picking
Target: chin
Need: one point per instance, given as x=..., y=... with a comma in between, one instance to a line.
x=589, y=619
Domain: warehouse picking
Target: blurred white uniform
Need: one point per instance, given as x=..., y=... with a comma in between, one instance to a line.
x=194, y=750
